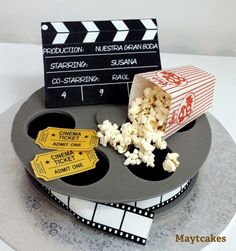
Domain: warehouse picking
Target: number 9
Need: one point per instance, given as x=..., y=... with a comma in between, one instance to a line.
x=101, y=91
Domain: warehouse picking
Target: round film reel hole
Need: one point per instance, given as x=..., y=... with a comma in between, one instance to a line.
x=188, y=126
x=90, y=176
x=156, y=173
x=56, y=119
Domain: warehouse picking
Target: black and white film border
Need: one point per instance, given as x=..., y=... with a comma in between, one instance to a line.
x=92, y=29
x=131, y=220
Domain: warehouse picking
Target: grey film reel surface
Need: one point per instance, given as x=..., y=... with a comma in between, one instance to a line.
x=113, y=182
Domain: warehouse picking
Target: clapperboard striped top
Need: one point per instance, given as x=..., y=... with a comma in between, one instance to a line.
x=99, y=31
x=94, y=62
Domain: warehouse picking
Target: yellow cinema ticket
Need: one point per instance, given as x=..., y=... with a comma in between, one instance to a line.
x=58, y=164
x=61, y=138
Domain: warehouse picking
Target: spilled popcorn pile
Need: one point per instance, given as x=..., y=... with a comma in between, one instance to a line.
x=148, y=116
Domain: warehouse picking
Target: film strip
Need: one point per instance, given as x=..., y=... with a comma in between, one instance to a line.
x=130, y=220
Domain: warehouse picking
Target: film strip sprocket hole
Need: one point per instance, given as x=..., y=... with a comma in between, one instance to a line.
x=130, y=220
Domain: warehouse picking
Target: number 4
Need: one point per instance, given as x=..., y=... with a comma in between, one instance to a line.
x=63, y=95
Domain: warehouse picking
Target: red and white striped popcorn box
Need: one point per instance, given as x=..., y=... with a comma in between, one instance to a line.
x=191, y=91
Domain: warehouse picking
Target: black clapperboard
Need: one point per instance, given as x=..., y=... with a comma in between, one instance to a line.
x=94, y=62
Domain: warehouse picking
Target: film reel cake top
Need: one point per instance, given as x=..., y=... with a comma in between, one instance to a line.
x=110, y=181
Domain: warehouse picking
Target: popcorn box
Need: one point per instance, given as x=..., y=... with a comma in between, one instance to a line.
x=188, y=90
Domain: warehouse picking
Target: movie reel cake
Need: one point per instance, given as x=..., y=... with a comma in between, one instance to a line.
x=134, y=170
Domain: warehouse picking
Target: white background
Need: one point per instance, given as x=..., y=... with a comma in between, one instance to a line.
x=185, y=26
